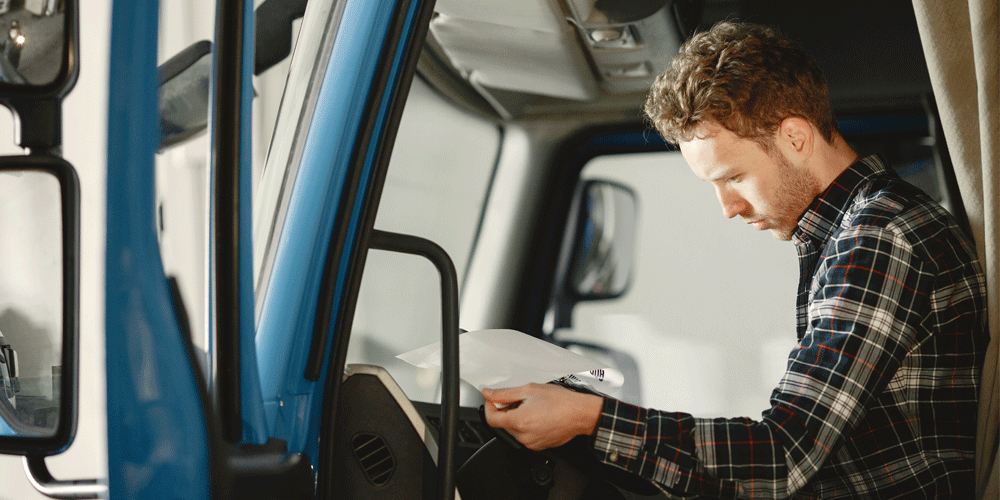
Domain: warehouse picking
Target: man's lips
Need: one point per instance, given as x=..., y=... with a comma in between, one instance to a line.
x=758, y=224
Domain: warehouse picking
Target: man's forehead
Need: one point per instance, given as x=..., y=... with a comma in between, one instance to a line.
x=708, y=152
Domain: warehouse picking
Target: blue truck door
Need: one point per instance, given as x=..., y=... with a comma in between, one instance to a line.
x=169, y=437
x=158, y=442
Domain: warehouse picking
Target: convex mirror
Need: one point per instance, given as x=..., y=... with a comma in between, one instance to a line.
x=39, y=242
x=37, y=45
x=605, y=241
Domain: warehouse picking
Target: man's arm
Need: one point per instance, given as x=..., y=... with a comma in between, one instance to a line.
x=868, y=293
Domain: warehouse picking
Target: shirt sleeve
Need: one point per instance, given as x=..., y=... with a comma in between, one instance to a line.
x=865, y=297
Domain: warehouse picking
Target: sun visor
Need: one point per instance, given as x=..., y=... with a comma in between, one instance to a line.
x=534, y=15
x=521, y=59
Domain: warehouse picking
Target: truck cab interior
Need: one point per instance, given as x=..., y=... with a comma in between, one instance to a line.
x=253, y=213
x=522, y=115
x=522, y=153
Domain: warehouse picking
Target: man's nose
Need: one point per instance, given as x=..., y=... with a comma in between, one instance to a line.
x=732, y=203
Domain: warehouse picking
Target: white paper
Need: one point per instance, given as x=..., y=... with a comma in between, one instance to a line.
x=508, y=358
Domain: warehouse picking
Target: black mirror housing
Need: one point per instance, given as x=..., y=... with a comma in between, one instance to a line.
x=38, y=415
x=39, y=50
x=39, y=64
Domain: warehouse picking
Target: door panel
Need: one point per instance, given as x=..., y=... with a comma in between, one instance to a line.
x=157, y=438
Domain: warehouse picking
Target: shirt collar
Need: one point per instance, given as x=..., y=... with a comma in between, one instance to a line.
x=827, y=209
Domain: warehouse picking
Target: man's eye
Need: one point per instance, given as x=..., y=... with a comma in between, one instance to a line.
x=735, y=179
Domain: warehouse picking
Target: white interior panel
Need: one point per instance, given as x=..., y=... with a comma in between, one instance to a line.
x=518, y=59
x=525, y=14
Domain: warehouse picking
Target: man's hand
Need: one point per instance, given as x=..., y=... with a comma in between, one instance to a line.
x=547, y=415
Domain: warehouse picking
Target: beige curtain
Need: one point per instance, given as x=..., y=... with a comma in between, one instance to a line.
x=962, y=48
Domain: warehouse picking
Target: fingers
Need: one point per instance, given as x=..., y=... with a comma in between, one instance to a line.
x=498, y=418
x=507, y=396
x=500, y=402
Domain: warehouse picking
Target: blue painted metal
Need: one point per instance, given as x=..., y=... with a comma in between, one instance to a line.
x=5, y=429
x=315, y=419
x=157, y=439
x=293, y=403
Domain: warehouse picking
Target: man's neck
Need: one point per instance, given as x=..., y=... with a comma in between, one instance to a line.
x=832, y=159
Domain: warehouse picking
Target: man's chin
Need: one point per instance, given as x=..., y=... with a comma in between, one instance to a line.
x=782, y=234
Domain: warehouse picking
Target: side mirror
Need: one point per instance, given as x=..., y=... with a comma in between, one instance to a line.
x=184, y=93
x=604, y=247
x=39, y=293
x=38, y=50
x=598, y=250
x=39, y=57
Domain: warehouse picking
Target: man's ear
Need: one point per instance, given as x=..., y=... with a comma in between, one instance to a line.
x=796, y=135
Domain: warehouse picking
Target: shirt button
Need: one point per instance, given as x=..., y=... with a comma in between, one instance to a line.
x=613, y=457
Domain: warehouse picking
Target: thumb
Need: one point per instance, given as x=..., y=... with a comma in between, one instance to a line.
x=505, y=396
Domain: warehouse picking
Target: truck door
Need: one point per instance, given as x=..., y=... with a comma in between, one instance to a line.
x=255, y=426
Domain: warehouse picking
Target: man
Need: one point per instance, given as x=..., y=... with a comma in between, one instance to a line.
x=879, y=397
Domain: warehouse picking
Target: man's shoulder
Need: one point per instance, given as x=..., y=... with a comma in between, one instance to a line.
x=888, y=203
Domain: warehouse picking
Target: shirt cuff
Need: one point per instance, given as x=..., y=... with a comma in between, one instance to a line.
x=621, y=432
x=652, y=444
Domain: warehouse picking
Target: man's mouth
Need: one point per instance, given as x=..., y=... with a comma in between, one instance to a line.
x=758, y=225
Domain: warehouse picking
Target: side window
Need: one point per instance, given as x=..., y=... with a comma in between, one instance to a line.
x=710, y=313
x=439, y=175
x=182, y=179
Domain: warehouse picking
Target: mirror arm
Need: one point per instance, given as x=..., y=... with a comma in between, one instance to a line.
x=561, y=302
x=38, y=125
x=273, y=31
x=39, y=476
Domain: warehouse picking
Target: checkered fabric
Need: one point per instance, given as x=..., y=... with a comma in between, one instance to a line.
x=879, y=397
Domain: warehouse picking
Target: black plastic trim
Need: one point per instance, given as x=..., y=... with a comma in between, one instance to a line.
x=39, y=124
x=240, y=472
x=401, y=243
x=184, y=59
x=226, y=195
x=38, y=110
x=273, y=31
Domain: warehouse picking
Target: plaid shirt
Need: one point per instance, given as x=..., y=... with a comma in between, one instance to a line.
x=879, y=398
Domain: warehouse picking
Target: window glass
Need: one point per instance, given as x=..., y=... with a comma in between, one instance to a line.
x=182, y=181
x=710, y=313
x=31, y=303
x=441, y=167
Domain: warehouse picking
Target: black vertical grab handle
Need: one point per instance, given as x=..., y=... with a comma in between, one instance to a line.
x=402, y=243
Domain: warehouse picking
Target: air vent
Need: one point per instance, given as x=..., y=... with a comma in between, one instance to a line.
x=374, y=457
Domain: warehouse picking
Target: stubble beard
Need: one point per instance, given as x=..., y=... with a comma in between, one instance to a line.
x=794, y=194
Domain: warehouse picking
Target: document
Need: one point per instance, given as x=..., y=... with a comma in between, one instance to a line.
x=508, y=358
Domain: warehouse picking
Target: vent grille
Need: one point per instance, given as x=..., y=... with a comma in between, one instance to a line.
x=374, y=457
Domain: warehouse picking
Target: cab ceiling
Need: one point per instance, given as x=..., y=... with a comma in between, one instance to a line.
x=527, y=59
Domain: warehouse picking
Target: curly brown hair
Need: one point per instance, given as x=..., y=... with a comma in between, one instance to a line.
x=743, y=76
